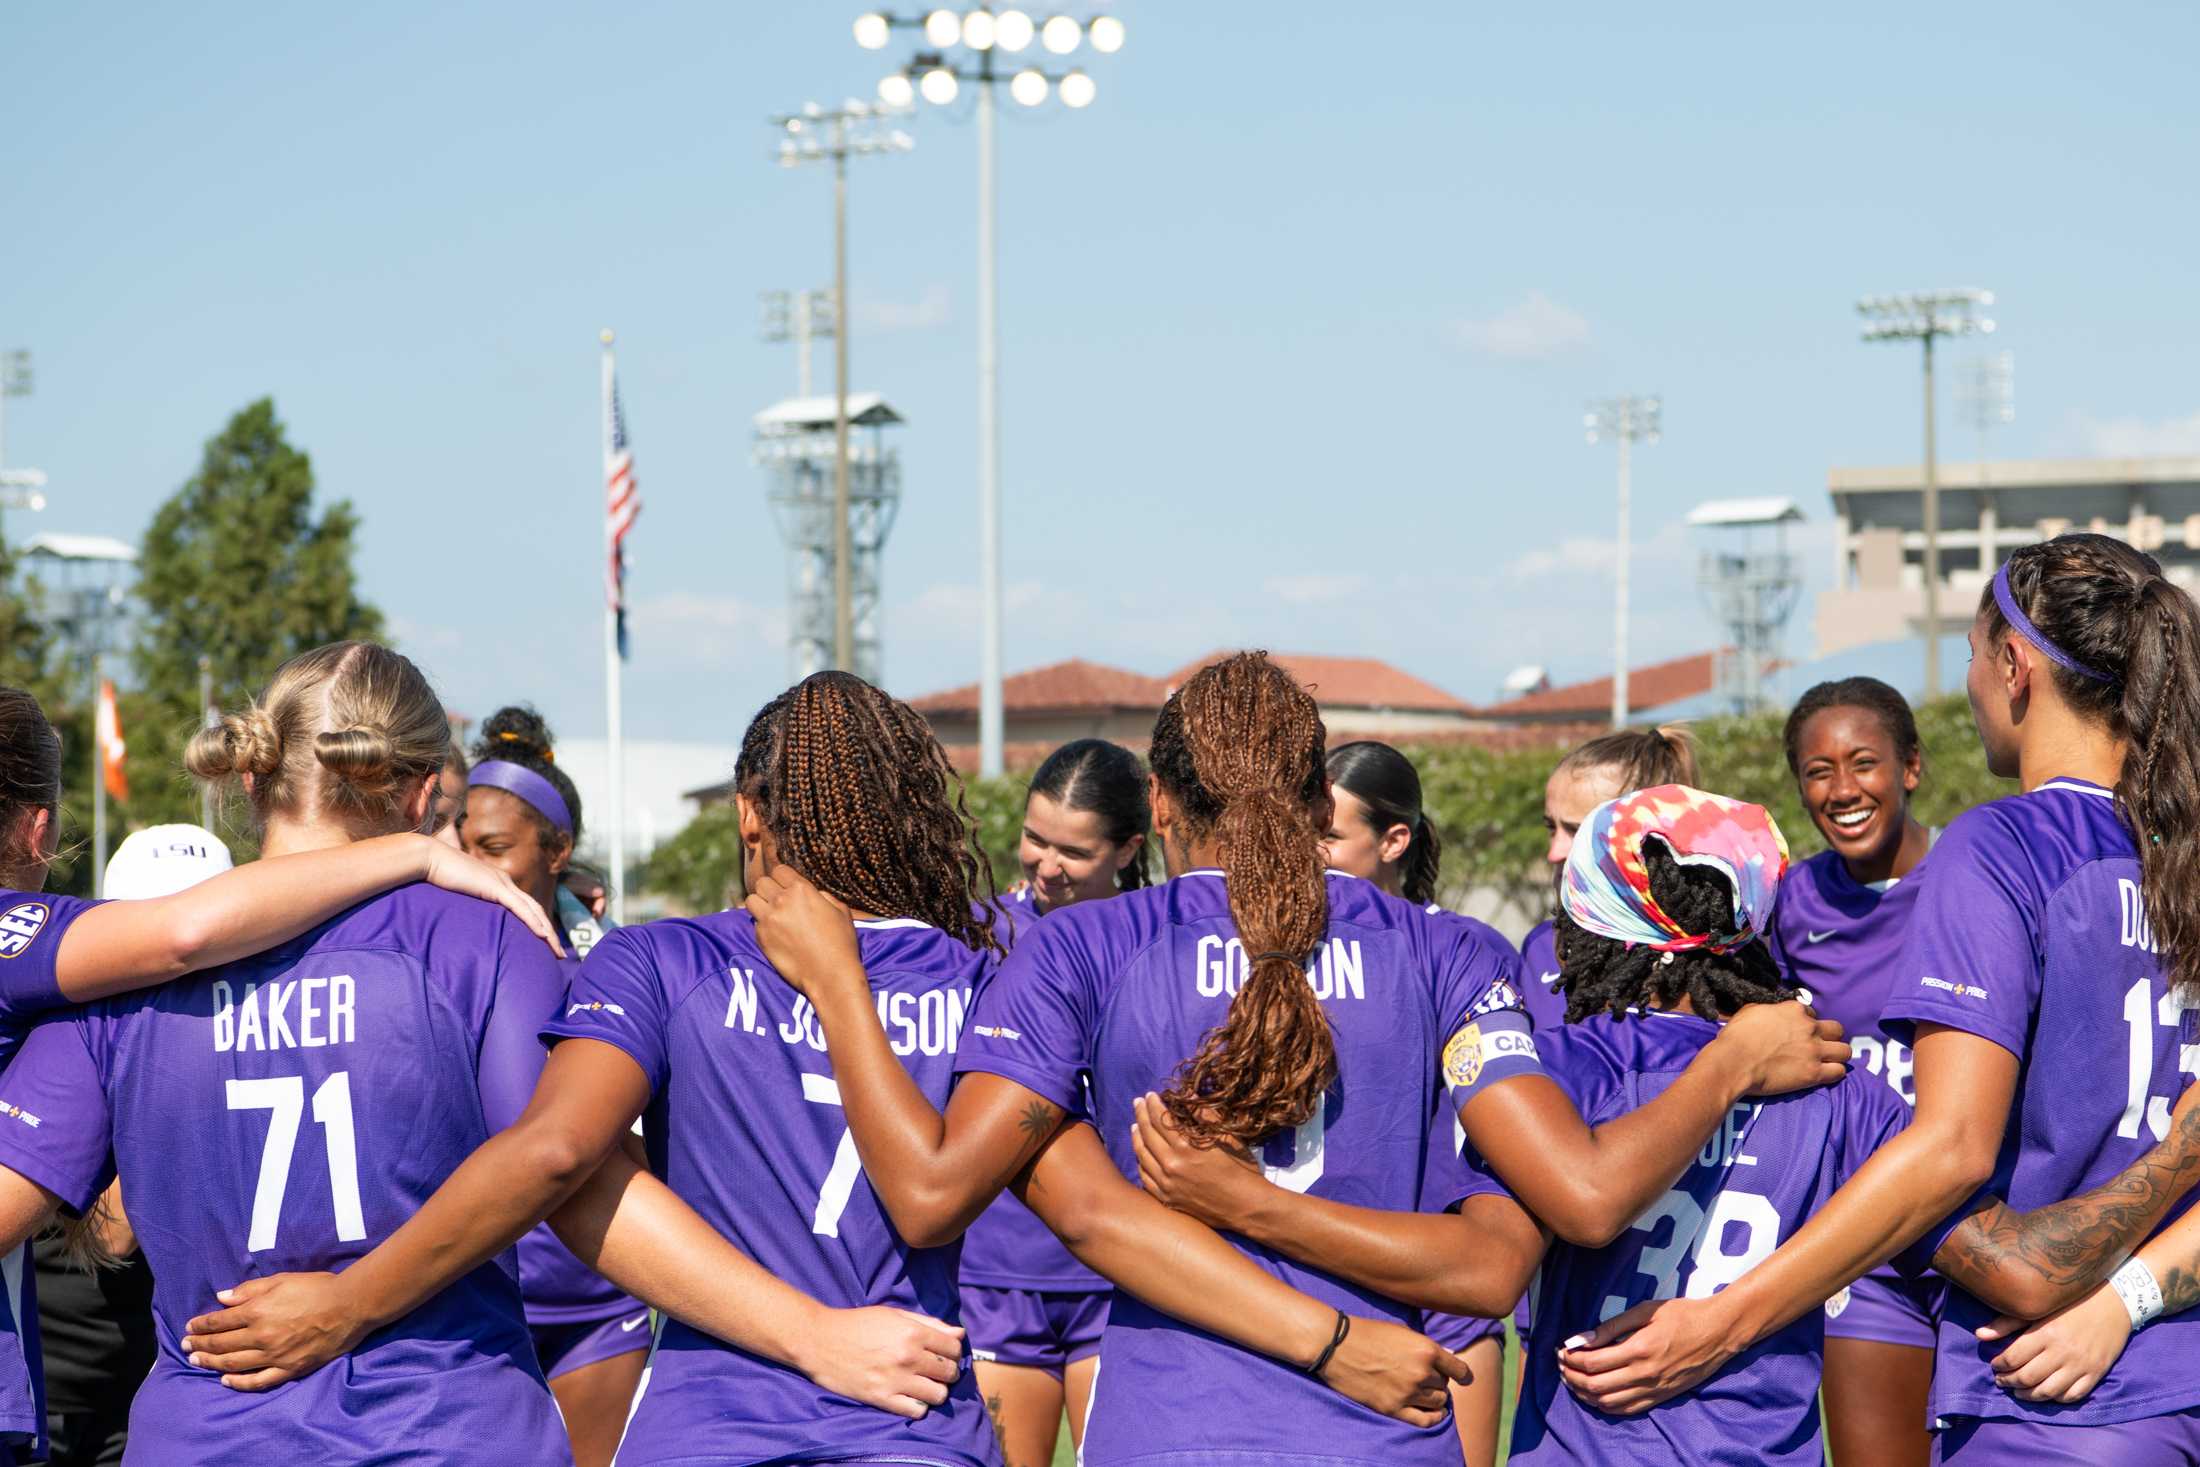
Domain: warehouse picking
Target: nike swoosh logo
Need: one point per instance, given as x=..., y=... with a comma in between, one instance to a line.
x=1550, y=978
x=628, y=1326
x=1818, y=936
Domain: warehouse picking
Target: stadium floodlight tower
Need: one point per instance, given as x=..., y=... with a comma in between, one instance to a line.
x=796, y=444
x=1624, y=421
x=1753, y=584
x=1922, y=315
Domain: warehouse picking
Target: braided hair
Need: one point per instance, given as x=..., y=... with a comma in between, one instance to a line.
x=1103, y=779
x=1602, y=975
x=859, y=797
x=1385, y=781
x=517, y=735
x=1239, y=751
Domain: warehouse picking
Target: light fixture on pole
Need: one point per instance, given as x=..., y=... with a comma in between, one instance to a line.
x=1626, y=421
x=18, y=487
x=799, y=316
x=1921, y=316
x=989, y=38
x=816, y=135
x=89, y=574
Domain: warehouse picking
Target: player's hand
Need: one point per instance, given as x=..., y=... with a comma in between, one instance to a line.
x=2062, y=1357
x=1390, y=1369
x=1209, y=1183
x=275, y=1329
x=884, y=1357
x=1782, y=1047
x=454, y=870
x=1649, y=1354
x=806, y=935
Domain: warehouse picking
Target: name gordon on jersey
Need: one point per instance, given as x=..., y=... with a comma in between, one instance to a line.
x=303, y=1013
x=929, y=1022
x=1337, y=970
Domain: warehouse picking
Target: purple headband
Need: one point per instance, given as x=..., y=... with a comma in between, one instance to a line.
x=517, y=779
x=2007, y=601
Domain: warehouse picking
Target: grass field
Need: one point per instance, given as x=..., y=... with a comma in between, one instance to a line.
x=1064, y=1457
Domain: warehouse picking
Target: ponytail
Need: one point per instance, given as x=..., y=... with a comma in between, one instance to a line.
x=2135, y=638
x=1423, y=858
x=1239, y=749
x=1386, y=782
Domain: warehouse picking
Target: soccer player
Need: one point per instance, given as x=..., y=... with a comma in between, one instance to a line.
x=1282, y=1008
x=747, y=1119
x=57, y=950
x=1033, y=1311
x=2055, y=936
x=1379, y=833
x=1667, y=894
x=1853, y=749
x=523, y=816
x=1604, y=768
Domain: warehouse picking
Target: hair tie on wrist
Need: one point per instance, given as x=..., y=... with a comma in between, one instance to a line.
x=1321, y=1361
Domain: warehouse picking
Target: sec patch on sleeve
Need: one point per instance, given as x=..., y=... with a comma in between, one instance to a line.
x=20, y=926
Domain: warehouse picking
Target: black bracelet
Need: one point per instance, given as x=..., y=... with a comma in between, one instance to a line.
x=1344, y=1327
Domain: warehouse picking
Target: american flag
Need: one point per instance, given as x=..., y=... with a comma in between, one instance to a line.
x=622, y=503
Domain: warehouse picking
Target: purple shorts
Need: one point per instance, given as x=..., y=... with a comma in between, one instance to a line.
x=1457, y=1331
x=2172, y=1440
x=1885, y=1307
x=564, y=1348
x=1038, y=1329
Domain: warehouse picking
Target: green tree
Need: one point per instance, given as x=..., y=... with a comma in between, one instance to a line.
x=235, y=567
x=699, y=869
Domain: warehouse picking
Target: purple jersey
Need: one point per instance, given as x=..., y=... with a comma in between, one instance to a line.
x=321, y=1092
x=558, y=1288
x=2029, y=931
x=1113, y=996
x=1539, y=993
x=31, y=925
x=744, y=1122
x=1842, y=940
x=1008, y=1247
x=1756, y=1181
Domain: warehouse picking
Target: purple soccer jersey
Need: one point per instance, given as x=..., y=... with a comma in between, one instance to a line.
x=321, y=1092
x=558, y=1288
x=31, y=924
x=1756, y=1181
x=1842, y=941
x=745, y=1123
x=1113, y=996
x=1539, y=993
x=1008, y=1247
x=2030, y=931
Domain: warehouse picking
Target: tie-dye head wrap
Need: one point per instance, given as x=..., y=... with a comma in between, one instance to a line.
x=1607, y=888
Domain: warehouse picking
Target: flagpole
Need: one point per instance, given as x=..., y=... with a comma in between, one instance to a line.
x=615, y=734
x=99, y=780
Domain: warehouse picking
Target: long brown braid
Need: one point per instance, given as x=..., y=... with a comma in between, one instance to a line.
x=859, y=797
x=1239, y=750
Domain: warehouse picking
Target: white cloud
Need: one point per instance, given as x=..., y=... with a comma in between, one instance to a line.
x=934, y=308
x=1535, y=329
x=1316, y=589
x=2138, y=438
x=422, y=636
x=1598, y=557
x=716, y=630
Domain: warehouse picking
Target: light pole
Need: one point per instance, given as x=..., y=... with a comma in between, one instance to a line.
x=982, y=33
x=799, y=316
x=18, y=487
x=1921, y=316
x=817, y=134
x=91, y=570
x=1626, y=421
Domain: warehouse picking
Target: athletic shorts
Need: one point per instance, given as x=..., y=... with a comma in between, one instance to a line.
x=1457, y=1331
x=1885, y=1307
x=2157, y=1441
x=1038, y=1329
x=565, y=1348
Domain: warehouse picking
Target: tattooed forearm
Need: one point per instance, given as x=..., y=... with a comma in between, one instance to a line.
x=2033, y=1263
x=2180, y=1287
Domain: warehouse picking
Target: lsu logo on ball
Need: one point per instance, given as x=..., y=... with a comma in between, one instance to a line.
x=1463, y=1057
x=20, y=926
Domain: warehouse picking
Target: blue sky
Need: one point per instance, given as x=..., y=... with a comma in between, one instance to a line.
x=1298, y=318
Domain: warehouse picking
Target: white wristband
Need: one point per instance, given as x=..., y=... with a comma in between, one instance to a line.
x=2134, y=1284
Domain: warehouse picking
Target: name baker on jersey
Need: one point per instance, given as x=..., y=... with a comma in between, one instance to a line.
x=1219, y=966
x=915, y=1023
x=303, y=1013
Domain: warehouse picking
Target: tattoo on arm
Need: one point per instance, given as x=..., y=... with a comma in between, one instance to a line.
x=2180, y=1288
x=2074, y=1244
x=1038, y=1123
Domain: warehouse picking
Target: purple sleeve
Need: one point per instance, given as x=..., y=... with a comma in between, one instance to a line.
x=55, y=1129
x=31, y=926
x=1478, y=1005
x=1971, y=959
x=618, y=999
x=1871, y=1116
x=530, y=992
x=1033, y=1019
x=1455, y=1171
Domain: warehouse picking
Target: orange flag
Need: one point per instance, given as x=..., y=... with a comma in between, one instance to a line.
x=107, y=733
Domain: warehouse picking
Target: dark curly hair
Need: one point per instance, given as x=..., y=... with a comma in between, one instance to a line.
x=517, y=735
x=1601, y=975
x=1103, y=779
x=1239, y=750
x=1868, y=693
x=859, y=797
